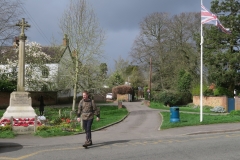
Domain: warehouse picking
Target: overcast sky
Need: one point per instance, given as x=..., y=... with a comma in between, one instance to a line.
x=119, y=19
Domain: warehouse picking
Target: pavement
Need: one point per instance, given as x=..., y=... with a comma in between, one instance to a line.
x=142, y=122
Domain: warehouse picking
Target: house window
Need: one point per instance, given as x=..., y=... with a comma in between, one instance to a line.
x=45, y=72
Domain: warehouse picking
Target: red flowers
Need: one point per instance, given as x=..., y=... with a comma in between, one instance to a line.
x=5, y=122
x=25, y=122
x=67, y=120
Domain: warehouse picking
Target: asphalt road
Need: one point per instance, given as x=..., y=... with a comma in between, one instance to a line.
x=136, y=137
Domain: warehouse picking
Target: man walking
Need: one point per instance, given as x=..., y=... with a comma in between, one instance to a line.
x=86, y=110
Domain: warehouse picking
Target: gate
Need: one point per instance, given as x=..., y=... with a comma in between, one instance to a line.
x=231, y=104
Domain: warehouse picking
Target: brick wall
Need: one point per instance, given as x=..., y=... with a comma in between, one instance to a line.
x=49, y=98
x=212, y=101
x=237, y=103
x=4, y=99
x=123, y=97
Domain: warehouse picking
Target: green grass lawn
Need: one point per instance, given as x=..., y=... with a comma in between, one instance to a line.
x=55, y=127
x=187, y=108
x=188, y=119
x=111, y=114
x=192, y=118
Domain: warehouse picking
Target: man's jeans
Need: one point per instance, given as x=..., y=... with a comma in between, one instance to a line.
x=87, y=125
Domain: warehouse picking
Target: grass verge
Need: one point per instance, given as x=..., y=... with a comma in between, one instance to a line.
x=193, y=118
x=56, y=127
x=188, y=119
x=187, y=108
x=7, y=134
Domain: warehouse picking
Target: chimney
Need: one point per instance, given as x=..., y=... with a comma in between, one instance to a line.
x=65, y=40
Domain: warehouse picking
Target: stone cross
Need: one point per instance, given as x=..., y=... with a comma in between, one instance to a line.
x=21, y=59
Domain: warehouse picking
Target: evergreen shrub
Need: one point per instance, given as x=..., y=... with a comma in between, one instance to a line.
x=168, y=98
x=221, y=91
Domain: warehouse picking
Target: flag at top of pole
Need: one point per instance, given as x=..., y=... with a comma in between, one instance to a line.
x=209, y=18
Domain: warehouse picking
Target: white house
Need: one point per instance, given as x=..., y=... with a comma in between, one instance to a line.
x=48, y=76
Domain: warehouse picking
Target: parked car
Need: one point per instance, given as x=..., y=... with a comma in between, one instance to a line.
x=109, y=96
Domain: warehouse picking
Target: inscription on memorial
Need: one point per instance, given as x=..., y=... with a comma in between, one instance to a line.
x=20, y=99
x=19, y=111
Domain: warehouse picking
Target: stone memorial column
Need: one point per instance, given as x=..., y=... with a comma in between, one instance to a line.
x=21, y=58
x=20, y=101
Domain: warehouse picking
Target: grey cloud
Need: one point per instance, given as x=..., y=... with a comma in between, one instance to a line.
x=127, y=14
x=119, y=18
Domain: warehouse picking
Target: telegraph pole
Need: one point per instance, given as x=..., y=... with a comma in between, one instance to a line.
x=150, y=79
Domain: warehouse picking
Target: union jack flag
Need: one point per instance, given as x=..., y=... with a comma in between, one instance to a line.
x=208, y=17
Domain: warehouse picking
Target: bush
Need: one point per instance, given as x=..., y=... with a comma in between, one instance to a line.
x=169, y=98
x=57, y=121
x=196, y=90
x=155, y=96
x=122, y=89
x=6, y=128
x=8, y=86
x=220, y=91
x=43, y=128
x=184, y=81
x=172, y=97
x=208, y=92
x=211, y=91
x=185, y=98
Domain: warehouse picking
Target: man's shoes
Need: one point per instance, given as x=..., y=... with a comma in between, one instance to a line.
x=85, y=145
x=89, y=142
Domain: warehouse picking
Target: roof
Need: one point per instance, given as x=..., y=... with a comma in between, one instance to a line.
x=10, y=52
x=55, y=52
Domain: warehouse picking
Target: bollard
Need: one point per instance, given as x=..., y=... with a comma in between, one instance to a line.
x=35, y=124
x=59, y=112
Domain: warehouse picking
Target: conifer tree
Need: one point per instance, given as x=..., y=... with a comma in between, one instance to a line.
x=221, y=50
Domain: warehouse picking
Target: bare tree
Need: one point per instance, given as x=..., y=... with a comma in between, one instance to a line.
x=85, y=40
x=120, y=67
x=10, y=12
x=183, y=28
x=169, y=41
x=153, y=42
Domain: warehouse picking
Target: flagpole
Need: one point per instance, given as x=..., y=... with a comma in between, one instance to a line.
x=210, y=18
x=201, y=74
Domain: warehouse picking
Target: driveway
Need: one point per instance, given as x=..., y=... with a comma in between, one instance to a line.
x=142, y=122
